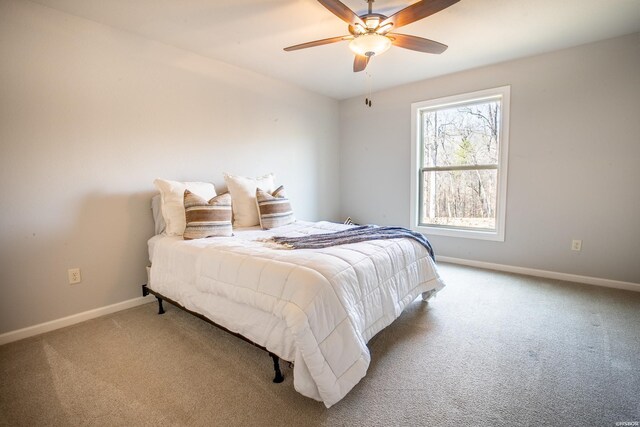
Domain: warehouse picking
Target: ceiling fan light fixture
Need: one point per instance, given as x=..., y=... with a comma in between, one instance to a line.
x=383, y=29
x=372, y=23
x=359, y=28
x=370, y=44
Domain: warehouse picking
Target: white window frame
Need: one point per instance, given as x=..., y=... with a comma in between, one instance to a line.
x=498, y=234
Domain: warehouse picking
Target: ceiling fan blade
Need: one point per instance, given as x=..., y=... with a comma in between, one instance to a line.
x=317, y=43
x=417, y=11
x=342, y=11
x=417, y=43
x=360, y=63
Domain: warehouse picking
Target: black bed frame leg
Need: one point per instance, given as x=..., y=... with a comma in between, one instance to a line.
x=276, y=367
x=160, y=308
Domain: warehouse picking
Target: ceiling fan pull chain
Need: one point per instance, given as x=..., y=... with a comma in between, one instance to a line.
x=367, y=100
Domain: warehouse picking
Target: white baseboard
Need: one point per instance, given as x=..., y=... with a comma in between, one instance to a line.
x=92, y=314
x=588, y=280
x=70, y=320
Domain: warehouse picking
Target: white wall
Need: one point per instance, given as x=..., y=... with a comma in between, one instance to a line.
x=574, y=159
x=90, y=115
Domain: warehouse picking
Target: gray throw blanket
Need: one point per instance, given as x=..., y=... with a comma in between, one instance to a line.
x=352, y=235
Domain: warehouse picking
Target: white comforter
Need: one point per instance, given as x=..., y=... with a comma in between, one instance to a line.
x=330, y=301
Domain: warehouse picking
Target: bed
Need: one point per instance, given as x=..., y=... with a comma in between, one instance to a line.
x=222, y=257
x=317, y=308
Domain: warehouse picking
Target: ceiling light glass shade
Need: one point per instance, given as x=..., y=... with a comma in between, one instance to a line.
x=372, y=22
x=384, y=28
x=359, y=28
x=370, y=44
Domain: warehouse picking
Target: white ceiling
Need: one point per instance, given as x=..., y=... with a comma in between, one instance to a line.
x=252, y=33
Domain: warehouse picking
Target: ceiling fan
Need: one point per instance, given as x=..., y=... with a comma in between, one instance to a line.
x=370, y=33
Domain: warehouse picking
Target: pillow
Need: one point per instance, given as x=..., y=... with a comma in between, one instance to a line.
x=349, y=221
x=275, y=209
x=207, y=218
x=243, y=196
x=156, y=209
x=172, y=196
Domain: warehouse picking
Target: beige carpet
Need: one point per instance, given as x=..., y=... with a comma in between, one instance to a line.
x=493, y=349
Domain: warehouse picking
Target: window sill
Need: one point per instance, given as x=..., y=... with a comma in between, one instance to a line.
x=495, y=236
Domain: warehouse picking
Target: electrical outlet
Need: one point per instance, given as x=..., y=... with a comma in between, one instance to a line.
x=576, y=245
x=74, y=276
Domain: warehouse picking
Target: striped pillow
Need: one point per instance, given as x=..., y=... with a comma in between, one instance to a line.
x=274, y=209
x=207, y=219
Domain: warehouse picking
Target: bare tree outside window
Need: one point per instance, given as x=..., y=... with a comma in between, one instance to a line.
x=459, y=163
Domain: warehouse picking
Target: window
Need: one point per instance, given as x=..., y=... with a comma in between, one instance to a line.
x=459, y=164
